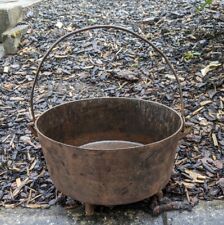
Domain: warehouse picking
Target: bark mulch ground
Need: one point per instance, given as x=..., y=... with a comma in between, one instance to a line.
x=96, y=64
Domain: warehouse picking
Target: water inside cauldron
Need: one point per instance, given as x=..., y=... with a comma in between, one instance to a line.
x=110, y=144
x=108, y=140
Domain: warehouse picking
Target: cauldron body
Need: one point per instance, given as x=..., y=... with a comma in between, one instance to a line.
x=109, y=151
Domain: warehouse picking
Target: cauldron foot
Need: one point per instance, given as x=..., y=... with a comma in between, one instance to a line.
x=159, y=195
x=89, y=209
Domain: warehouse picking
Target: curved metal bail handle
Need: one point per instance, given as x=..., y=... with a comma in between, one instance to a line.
x=106, y=27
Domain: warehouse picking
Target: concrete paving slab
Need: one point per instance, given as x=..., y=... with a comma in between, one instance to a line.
x=9, y=17
x=11, y=13
x=206, y=213
x=2, y=51
x=11, y=38
x=7, y=4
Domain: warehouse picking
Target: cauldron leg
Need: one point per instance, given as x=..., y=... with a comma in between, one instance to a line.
x=159, y=195
x=89, y=209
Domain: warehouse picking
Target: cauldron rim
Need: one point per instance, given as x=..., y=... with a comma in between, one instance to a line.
x=173, y=135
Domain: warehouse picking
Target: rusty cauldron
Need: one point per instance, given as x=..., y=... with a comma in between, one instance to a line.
x=109, y=151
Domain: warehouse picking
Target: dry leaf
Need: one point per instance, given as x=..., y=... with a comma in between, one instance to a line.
x=69, y=28
x=172, y=77
x=17, y=99
x=18, y=182
x=22, y=184
x=205, y=102
x=203, y=122
x=215, y=141
x=210, y=67
x=8, y=86
x=10, y=206
x=197, y=111
x=33, y=164
x=27, y=140
x=37, y=206
x=197, y=177
x=59, y=25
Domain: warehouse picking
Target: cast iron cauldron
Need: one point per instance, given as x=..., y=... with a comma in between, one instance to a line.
x=109, y=151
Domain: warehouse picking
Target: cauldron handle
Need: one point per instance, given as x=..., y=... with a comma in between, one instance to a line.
x=107, y=27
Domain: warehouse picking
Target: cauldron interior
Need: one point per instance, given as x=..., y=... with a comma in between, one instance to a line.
x=81, y=122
